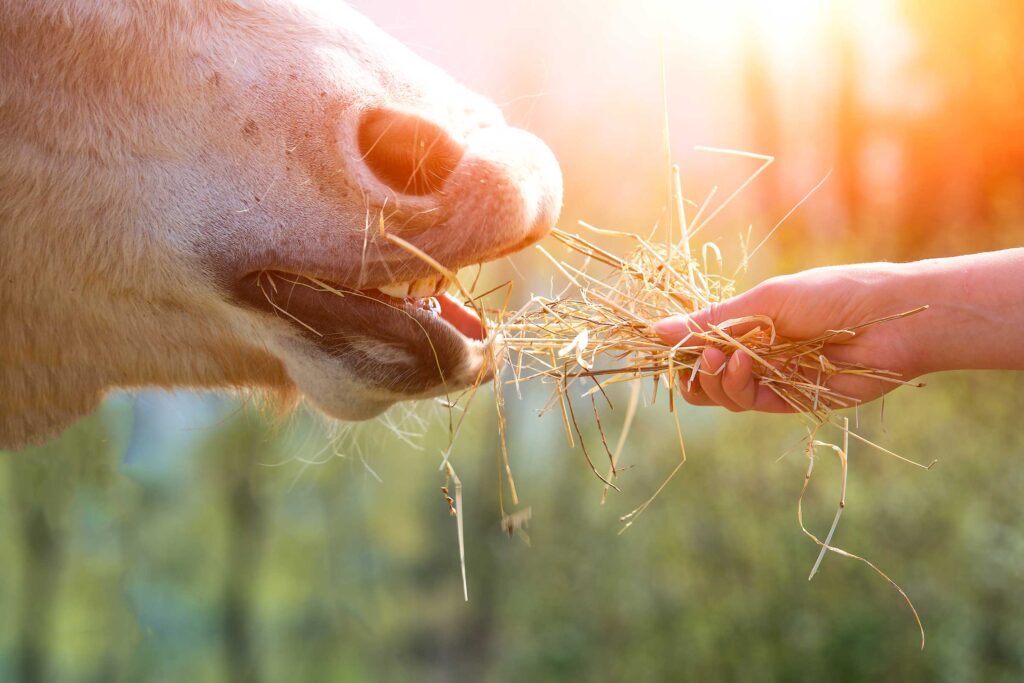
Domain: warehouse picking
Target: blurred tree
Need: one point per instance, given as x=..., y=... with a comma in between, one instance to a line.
x=849, y=115
x=763, y=118
x=236, y=452
x=42, y=485
x=964, y=175
x=42, y=545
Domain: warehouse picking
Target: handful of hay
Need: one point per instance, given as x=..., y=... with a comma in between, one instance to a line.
x=600, y=331
x=612, y=316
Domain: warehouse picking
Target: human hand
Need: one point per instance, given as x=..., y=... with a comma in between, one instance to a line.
x=803, y=306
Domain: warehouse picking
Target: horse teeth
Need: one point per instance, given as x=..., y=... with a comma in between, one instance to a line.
x=398, y=290
x=422, y=288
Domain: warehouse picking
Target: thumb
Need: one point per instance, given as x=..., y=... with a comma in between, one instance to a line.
x=678, y=328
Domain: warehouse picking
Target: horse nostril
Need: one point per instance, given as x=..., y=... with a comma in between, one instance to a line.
x=409, y=154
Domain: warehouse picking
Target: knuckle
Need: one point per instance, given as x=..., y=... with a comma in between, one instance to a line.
x=714, y=313
x=773, y=286
x=696, y=399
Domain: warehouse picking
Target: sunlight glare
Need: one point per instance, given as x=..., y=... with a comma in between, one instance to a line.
x=788, y=30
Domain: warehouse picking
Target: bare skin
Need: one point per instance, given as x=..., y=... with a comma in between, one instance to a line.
x=974, y=320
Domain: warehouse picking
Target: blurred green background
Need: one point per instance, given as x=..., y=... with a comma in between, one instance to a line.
x=180, y=536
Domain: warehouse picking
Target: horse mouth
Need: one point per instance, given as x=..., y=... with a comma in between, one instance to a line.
x=411, y=339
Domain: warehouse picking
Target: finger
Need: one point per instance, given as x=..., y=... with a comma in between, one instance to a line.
x=765, y=398
x=685, y=329
x=767, y=401
x=738, y=382
x=741, y=386
x=711, y=362
x=692, y=393
x=697, y=399
x=679, y=329
x=843, y=390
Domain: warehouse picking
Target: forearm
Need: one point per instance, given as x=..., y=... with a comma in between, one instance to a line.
x=975, y=318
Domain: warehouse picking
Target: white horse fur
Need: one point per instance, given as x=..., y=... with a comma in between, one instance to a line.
x=155, y=153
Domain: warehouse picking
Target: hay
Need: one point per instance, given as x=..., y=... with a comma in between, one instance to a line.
x=599, y=331
x=612, y=318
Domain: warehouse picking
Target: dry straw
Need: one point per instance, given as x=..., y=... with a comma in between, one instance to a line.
x=599, y=331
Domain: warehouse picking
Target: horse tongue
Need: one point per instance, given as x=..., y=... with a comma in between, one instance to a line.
x=464, y=319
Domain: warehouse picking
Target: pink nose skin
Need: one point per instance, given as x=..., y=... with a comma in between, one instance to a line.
x=409, y=154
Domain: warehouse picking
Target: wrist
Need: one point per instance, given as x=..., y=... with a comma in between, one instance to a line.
x=904, y=287
x=920, y=284
x=974, y=313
